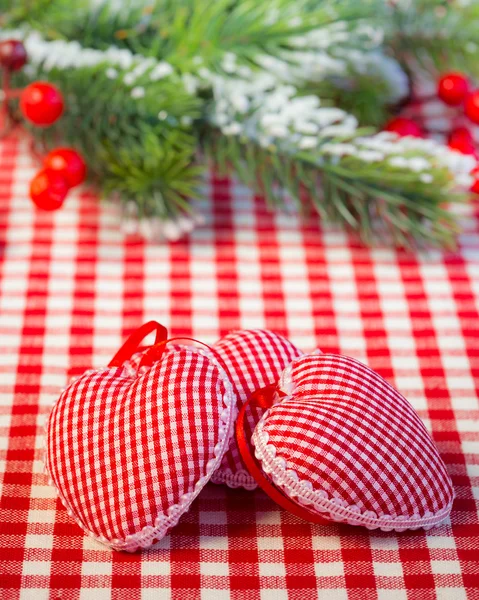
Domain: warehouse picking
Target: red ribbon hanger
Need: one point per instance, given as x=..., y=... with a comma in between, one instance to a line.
x=264, y=399
x=155, y=351
x=131, y=344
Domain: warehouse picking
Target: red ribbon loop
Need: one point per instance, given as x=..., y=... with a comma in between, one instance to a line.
x=131, y=344
x=155, y=351
x=264, y=398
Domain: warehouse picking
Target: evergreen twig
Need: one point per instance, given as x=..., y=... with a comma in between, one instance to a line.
x=141, y=137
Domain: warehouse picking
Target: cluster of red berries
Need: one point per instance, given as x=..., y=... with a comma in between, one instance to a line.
x=41, y=103
x=454, y=90
x=63, y=168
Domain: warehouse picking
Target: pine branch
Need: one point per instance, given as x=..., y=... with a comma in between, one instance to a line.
x=194, y=35
x=133, y=126
x=378, y=202
x=243, y=78
x=156, y=177
x=434, y=33
x=180, y=31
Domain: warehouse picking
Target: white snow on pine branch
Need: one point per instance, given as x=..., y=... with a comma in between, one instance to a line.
x=301, y=68
x=322, y=54
x=339, y=51
x=407, y=153
x=60, y=54
x=155, y=229
x=272, y=114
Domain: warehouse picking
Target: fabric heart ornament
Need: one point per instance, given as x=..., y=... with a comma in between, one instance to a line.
x=129, y=447
x=342, y=444
x=253, y=359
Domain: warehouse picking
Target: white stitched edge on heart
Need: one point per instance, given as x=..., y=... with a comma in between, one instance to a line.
x=226, y=476
x=318, y=501
x=153, y=533
x=234, y=480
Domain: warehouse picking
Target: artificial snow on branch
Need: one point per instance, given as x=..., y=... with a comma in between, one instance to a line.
x=289, y=94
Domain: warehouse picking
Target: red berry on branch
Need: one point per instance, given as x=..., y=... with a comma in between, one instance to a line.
x=66, y=162
x=475, y=184
x=471, y=107
x=41, y=103
x=452, y=88
x=13, y=55
x=403, y=127
x=461, y=139
x=48, y=190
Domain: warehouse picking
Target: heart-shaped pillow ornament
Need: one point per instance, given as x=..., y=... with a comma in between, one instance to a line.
x=343, y=445
x=130, y=447
x=253, y=359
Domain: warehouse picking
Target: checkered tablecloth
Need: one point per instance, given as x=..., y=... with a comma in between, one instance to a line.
x=72, y=286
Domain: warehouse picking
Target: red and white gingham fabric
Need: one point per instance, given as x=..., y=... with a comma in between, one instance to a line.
x=72, y=287
x=129, y=453
x=344, y=443
x=253, y=359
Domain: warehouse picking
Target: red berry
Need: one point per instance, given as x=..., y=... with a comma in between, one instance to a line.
x=461, y=139
x=403, y=127
x=12, y=55
x=471, y=107
x=452, y=88
x=475, y=184
x=66, y=162
x=48, y=190
x=41, y=103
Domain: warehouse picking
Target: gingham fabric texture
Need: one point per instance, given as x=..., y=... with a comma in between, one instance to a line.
x=253, y=359
x=72, y=287
x=128, y=453
x=344, y=443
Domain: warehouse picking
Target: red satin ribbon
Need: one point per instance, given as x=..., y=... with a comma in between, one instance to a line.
x=154, y=352
x=133, y=341
x=264, y=399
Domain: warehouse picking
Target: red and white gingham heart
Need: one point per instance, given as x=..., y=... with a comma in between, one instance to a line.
x=129, y=450
x=345, y=445
x=253, y=359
